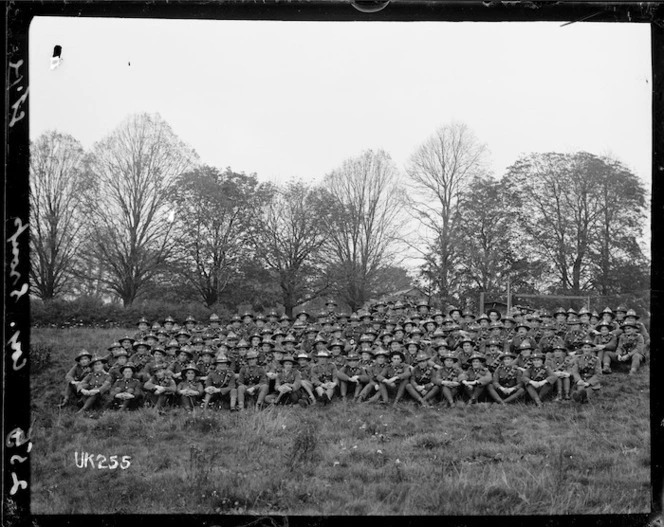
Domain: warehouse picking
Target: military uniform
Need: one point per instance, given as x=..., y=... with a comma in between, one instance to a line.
x=252, y=377
x=346, y=373
x=562, y=368
x=224, y=381
x=189, y=401
x=99, y=383
x=506, y=386
x=481, y=375
x=538, y=374
x=74, y=378
x=587, y=369
x=446, y=375
x=631, y=348
x=131, y=386
x=160, y=390
x=291, y=378
x=422, y=385
x=323, y=375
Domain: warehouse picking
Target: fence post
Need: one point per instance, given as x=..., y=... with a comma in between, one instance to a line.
x=481, y=302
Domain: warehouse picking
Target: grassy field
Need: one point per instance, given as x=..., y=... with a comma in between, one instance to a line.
x=340, y=459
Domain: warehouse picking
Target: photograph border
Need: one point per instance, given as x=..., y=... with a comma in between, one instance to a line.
x=16, y=382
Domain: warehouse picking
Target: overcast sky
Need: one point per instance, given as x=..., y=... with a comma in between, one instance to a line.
x=294, y=99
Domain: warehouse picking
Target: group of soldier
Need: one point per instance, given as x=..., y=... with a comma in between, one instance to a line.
x=386, y=353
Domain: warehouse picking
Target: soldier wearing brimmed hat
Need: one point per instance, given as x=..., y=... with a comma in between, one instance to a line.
x=522, y=330
x=305, y=367
x=352, y=375
x=548, y=339
x=524, y=358
x=185, y=356
x=141, y=357
x=205, y=363
x=288, y=384
x=160, y=388
x=422, y=385
x=158, y=361
x=143, y=328
x=126, y=392
x=74, y=378
x=574, y=336
x=506, y=386
x=252, y=381
x=493, y=352
x=630, y=349
x=538, y=379
x=562, y=366
x=220, y=383
x=190, y=388
x=476, y=378
x=464, y=350
x=448, y=377
x=95, y=385
x=631, y=316
x=324, y=376
x=560, y=322
x=586, y=372
x=396, y=376
x=604, y=339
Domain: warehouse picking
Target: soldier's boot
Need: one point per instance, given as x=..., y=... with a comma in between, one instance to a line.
x=545, y=391
x=64, y=402
x=566, y=389
x=532, y=392
x=233, y=399
x=240, y=397
x=383, y=394
x=636, y=362
x=515, y=396
x=494, y=394
x=430, y=395
x=477, y=391
x=447, y=396
x=206, y=401
x=343, y=389
x=413, y=393
x=607, y=365
x=89, y=403
x=125, y=405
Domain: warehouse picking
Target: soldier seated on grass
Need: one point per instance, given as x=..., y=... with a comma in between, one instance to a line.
x=561, y=365
x=350, y=375
x=252, y=382
x=422, y=385
x=190, y=389
x=448, y=377
x=538, y=379
x=506, y=386
x=374, y=389
x=304, y=367
x=396, y=377
x=126, y=393
x=630, y=349
x=74, y=378
x=586, y=372
x=220, y=384
x=95, y=385
x=160, y=388
x=288, y=384
x=476, y=378
x=324, y=377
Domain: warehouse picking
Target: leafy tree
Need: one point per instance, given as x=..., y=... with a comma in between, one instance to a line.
x=213, y=212
x=287, y=238
x=579, y=214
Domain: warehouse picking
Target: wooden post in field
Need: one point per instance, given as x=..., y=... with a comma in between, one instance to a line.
x=481, y=302
x=509, y=296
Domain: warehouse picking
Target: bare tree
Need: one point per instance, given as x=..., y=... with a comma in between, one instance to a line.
x=288, y=237
x=363, y=231
x=439, y=171
x=57, y=185
x=135, y=167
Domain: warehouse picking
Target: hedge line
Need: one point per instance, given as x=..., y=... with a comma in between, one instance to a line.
x=92, y=312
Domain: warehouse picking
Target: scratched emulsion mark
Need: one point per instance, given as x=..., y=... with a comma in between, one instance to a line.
x=56, y=59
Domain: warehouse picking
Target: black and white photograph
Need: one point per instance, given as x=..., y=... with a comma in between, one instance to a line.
x=338, y=268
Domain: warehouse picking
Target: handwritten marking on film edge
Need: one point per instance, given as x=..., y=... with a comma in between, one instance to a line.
x=17, y=351
x=15, y=439
x=16, y=254
x=86, y=459
x=15, y=68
